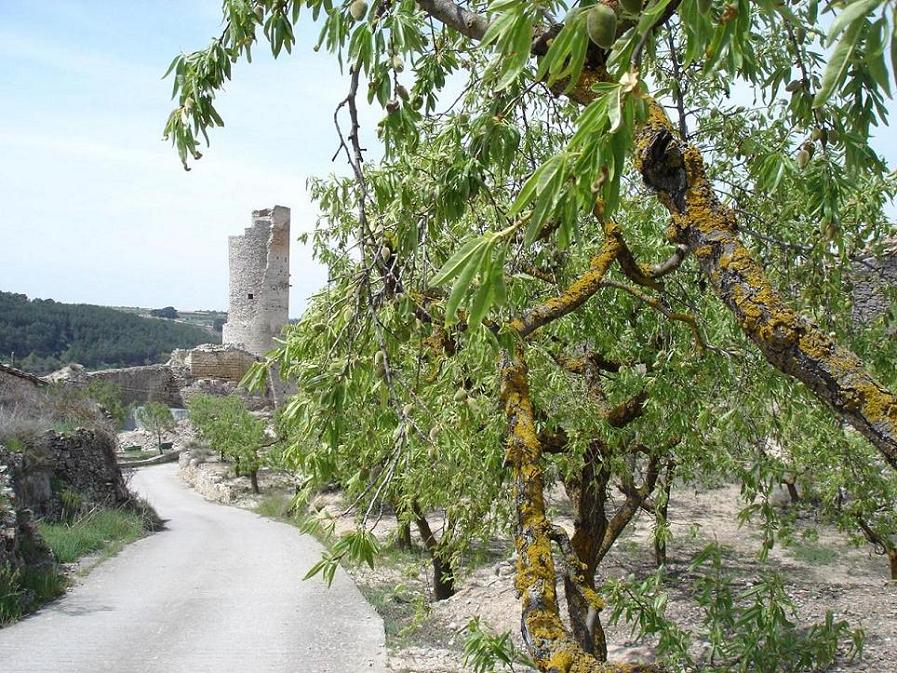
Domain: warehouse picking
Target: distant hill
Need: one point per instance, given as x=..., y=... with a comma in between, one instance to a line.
x=44, y=335
x=211, y=321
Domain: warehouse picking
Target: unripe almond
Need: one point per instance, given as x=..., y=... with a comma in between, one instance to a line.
x=631, y=6
x=460, y=395
x=601, y=25
x=358, y=9
x=385, y=252
x=803, y=158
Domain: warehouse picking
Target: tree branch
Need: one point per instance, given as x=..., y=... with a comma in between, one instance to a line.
x=790, y=342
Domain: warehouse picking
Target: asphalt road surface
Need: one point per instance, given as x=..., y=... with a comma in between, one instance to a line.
x=220, y=589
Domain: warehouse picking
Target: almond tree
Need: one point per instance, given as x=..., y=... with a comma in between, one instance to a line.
x=554, y=218
x=156, y=417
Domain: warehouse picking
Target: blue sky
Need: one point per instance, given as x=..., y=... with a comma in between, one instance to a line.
x=96, y=208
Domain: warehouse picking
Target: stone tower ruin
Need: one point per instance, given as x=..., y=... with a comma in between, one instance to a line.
x=259, y=302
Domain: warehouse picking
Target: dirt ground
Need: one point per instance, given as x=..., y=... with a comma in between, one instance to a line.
x=822, y=571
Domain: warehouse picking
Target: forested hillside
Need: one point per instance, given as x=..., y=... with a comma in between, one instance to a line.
x=44, y=335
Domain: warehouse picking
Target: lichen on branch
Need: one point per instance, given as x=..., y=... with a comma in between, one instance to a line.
x=790, y=342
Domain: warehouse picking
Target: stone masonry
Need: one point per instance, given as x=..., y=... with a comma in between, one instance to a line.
x=16, y=383
x=259, y=297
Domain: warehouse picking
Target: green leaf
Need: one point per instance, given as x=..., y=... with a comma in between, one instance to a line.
x=614, y=109
x=459, y=290
x=853, y=14
x=457, y=261
x=486, y=293
x=837, y=65
x=173, y=65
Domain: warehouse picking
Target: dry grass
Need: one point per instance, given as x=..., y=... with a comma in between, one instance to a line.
x=25, y=416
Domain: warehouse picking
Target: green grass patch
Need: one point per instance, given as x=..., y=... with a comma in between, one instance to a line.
x=812, y=553
x=22, y=591
x=102, y=530
x=275, y=506
x=403, y=610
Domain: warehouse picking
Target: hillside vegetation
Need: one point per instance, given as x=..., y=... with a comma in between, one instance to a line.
x=44, y=335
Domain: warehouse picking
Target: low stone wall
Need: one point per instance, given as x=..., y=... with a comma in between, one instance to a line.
x=210, y=369
x=82, y=462
x=168, y=457
x=209, y=480
x=218, y=362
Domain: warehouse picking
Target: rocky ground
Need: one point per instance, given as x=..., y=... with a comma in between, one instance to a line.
x=180, y=437
x=823, y=572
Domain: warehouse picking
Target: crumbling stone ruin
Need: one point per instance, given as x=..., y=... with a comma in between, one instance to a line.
x=259, y=298
x=211, y=368
x=56, y=469
x=20, y=542
x=16, y=383
x=874, y=279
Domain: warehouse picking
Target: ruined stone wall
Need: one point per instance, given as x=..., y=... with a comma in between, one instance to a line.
x=872, y=278
x=20, y=542
x=218, y=362
x=15, y=384
x=258, y=305
x=81, y=462
x=152, y=383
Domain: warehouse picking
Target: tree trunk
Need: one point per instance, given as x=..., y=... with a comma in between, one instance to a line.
x=159, y=441
x=792, y=492
x=254, y=480
x=403, y=536
x=588, y=494
x=443, y=580
x=550, y=645
x=443, y=575
x=661, y=514
x=892, y=560
x=585, y=621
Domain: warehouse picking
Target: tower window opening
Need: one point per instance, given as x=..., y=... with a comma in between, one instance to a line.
x=251, y=296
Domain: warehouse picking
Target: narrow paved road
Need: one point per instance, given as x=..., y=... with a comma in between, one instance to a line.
x=219, y=590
